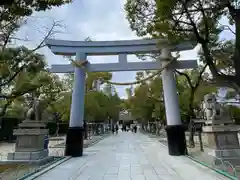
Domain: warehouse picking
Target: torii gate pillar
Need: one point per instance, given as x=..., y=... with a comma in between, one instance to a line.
x=175, y=130
x=75, y=135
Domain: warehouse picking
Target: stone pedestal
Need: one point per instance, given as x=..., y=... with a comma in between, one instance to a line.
x=29, y=146
x=223, y=140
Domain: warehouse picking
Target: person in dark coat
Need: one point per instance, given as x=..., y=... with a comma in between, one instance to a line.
x=135, y=128
x=116, y=129
x=113, y=129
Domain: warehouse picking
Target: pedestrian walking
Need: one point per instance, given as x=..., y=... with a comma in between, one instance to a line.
x=135, y=128
x=116, y=129
x=113, y=129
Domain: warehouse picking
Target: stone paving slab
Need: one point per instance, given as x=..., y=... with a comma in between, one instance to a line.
x=129, y=156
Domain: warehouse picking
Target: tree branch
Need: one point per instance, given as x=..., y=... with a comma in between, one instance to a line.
x=187, y=77
x=13, y=76
x=41, y=44
x=226, y=27
x=205, y=20
x=195, y=30
x=231, y=9
x=18, y=94
x=200, y=76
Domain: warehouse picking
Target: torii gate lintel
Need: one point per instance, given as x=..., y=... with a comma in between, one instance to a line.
x=123, y=66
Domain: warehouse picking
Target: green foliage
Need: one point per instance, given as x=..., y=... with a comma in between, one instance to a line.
x=92, y=77
x=235, y=113
x=197, y=21
x=102, y=105
x=14, y=14
x=108, y=89
x=99, y=105
x=148, y=103
x=174, y=19
x=11, y=9
x=21, y=72
x=62, y=106
x=114, y=107
x=50, y=93
x=16, y=110
x=96, y=106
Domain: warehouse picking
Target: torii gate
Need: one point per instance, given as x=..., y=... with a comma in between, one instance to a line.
x=82, y=49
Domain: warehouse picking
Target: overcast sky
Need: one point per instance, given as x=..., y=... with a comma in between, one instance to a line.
x=87, y=18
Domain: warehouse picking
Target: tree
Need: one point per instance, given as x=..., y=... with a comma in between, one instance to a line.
x=96, y=106
x=16, y=109
x=193, y=80
x=50, y=93
x=192, y=86
x=99, y=106
x=19, y=64
x=20, y=74
x=114, y=102
x=114, y=107
x=235, y=113
x=14, y=14
x=147, y=103
x=62, y=106
x=22, y=70
x=146, y=98
x=92, y=77
x=108, y=89
x=12, y=9
x=197, y=21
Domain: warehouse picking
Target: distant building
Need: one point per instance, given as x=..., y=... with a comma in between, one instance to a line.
x=125, y=117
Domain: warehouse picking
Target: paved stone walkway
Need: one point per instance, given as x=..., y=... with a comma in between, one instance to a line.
x=128, y=156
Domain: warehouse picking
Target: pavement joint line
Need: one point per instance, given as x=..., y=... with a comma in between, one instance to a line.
x=97, y=141
x=79, y=171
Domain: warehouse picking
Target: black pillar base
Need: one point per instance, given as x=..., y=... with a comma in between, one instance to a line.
x=74, y=142
x=176, y=140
